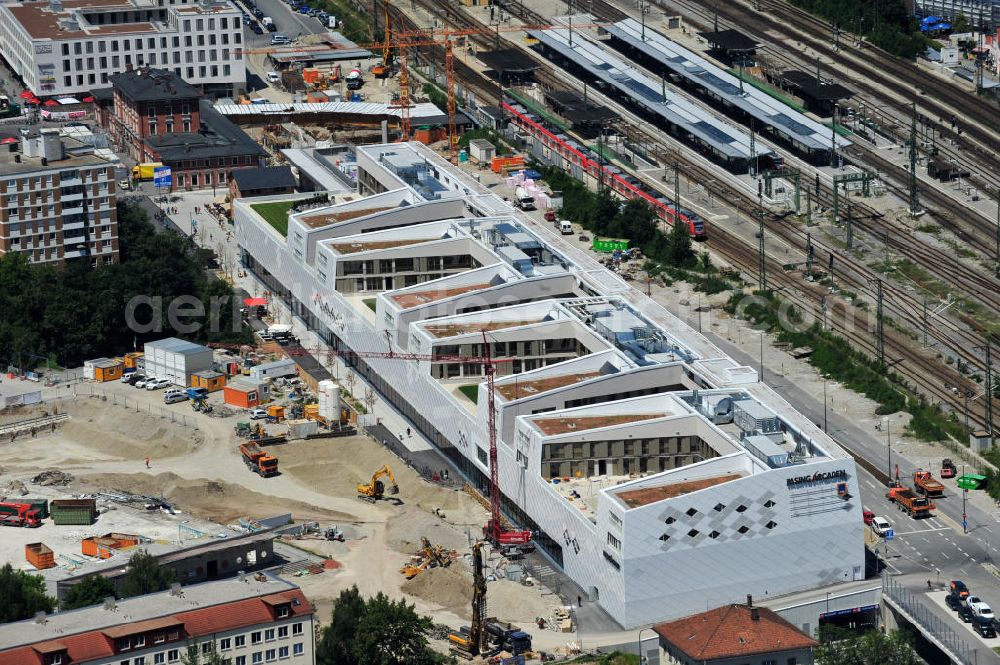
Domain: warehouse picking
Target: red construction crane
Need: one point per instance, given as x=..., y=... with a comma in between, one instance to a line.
x=493, y=530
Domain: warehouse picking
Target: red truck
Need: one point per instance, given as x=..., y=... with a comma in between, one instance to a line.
x=911, y=503
x=927, y=484
x=19, y=514
x=259, y=461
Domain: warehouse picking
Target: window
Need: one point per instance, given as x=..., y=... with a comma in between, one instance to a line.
x=670, y=520
x=769, y=504
x=298, y=649
x=124, y=662
x=283, y=612
x=257, y=657
x=173, y=655
x=282, y=631
x=719, y=507
x=771, y=524
x=769, y=661
x=124, y=644
x=743, y=529
x=240, y=641
x=269, y=634
x=713, y=535
x=255, y=637
x=691, y=512
x=741, y=508
x=692, y=533
x=206, y=647
x=792, y=661
x=140, y=641
x=225, y=644
x=271, y=655
x=241, y=660
x=159, y=658
x=141, y=660
x=296, y=629
x=159, y=638
x=282, y=652
x=614, y=542
x=665, y=537
x=483, y=458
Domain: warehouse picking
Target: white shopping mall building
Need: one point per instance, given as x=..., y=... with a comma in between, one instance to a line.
x=657, y=472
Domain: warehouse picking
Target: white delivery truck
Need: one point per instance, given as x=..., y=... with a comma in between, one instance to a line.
x=565, y=227
x=524, y=200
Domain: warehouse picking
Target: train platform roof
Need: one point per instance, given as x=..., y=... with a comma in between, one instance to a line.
x=793, y=125
x=572, y=103
x=508, y=61
x=725, y=139
x=730, y=40
x=815, y=88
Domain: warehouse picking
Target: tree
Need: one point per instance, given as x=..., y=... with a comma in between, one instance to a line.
x=22, y=595
x=91, y=590
x=679, y=249
x=335, y=644
x=842, y=647
x=378, y=631
x=145, y=575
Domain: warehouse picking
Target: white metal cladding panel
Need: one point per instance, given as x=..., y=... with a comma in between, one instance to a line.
x=524, y=486
x=817, y=539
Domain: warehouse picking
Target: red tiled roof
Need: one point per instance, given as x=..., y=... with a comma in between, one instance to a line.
x=124, y=629
x=731, y=631
x=96, y=644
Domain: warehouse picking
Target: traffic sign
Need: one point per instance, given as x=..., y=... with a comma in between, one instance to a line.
x=889, y=534
x=162, y=176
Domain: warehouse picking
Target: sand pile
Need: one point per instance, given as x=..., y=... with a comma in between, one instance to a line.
x=337, y=466
x=510, y=601
x=211, y=499
x=126, y=434
x=448, y=588
x=409, y=524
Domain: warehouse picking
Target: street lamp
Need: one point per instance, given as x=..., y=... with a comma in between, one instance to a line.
x=642, y=659
x=824, y=403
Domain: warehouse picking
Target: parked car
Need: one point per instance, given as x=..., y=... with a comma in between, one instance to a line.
x=880, y=526
x=257, y=414
x=867, y=516
x=280, y=39
x=257, y=30
x=271, y=27
x=959, y=589
x=134, y=377
x=127, y=377
x=141, y=383
x=157, y=384
x=125, y=184
x=173, y=396
x=980, y=608
x=985, y=628
x=273, y=77
x=965, y=614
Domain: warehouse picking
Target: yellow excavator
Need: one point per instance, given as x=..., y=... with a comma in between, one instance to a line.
x=375, y=489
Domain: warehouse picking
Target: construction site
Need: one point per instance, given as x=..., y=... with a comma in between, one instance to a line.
x=341, y=511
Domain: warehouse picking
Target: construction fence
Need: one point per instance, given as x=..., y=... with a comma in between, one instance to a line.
x=133, y=404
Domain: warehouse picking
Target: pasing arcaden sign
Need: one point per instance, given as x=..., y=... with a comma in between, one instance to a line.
x=819, y=476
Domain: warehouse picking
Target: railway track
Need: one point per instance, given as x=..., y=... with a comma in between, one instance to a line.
x=810, y=297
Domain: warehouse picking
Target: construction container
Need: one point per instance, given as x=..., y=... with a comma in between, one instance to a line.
x=502, y=165
x=73, y=511
x=317, y=98
x=208, y=379
x=176, y=360
x=104, y=546
x=274, y=370
x=131, y=359
x=310, y=75
x=300, y=429
x=422, y=134
x=41, y=505
x=276, y=411
x=39, y=556
x=482, y=151
x=242, y=392
x=103, y=369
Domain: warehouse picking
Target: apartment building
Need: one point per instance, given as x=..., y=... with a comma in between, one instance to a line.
x=249, y=620
x=654, y=470
x=64, y=47
x=57, y=198
x=158, y=116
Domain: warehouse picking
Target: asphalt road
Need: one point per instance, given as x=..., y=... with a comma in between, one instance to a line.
x=291, y=24
x=933, y=548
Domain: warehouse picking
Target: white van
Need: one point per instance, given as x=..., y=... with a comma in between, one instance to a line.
x=565, y=227
x=273, y=77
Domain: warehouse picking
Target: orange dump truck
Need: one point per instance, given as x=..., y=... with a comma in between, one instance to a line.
x=258, y=460
x=927, y=484
x=909, y=502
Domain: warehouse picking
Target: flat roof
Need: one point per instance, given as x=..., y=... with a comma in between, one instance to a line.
x=40, y=22
x=217, y=136
x=730, y=40
x=520, y=388
x=564, y=425
x=767, y=110
x=31, y=164
x=508, y=60
x=318, y=221
x=419, y=113
x=440, y=330
x=354, y=247
x=415, y=298
x=647, y=495
x=174, y=345
x=725, y=138
x=816, y=88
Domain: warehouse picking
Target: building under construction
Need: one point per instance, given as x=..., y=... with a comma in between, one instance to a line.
x=653, y=469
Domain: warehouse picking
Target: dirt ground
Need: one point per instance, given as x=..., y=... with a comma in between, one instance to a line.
x=104, y=446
